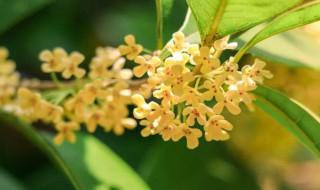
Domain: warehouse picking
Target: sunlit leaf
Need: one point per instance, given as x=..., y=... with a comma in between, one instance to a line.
x=216, y=19
x=12, y=11
x=301, y=122
x=299, y=17
x=300, y=49
x=89, y=164
x=8, y=182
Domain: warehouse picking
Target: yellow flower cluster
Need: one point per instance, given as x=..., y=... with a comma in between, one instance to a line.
x=9, y=78
x=185, y=84
x=190, y=89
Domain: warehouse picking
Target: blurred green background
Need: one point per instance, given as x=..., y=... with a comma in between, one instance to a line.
x=260, y=154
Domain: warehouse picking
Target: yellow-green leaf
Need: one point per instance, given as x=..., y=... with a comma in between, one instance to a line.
x=301, y=122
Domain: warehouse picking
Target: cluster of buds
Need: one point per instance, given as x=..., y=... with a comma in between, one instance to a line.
x=190, y=89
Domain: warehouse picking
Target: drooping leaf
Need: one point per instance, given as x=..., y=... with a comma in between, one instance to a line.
x=301, y=122
x=12, y=11
x=8, y=182
x=216, y=19
x=89, y=164
x=299, y=17
x=292, y=48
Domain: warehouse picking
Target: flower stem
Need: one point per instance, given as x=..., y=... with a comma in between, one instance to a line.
x=159, y=27
x=55, y=79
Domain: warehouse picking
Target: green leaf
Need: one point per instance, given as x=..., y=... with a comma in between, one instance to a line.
x=301, y=122
x=166, y=8
x=216, y=19
x=299, y=17
x=8, y=182
x=171, y=166
x=12, y=11
x=300, y=49
x=89, y=164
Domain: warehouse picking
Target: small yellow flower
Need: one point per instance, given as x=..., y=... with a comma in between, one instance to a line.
x=28, y=98
x=49, y=112
x=143, y=109
x=168, y=98
x=242, y=89
x=4, y=53
x=190, y=96
x=178, y=44
x=214, y=89
x=228, y=103
x=196, y=112
x=169, y=130
x=132, y=50
x=146, y=66
x=179, y=80
x=206, y=61
x=95, y=118
x=191, y=134
x=71, y=66
x=122, y=124
x=92, y=91
x=222, y=44
x=76, y=104
x=53, y=60
x=216, y=128
x=151, y=128
x=163, y=114
x=66, y=131
x=99, y=69
x=255, y=73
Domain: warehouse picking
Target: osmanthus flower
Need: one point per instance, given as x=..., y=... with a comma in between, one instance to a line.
x=168, y=130
x=216, y=128
x=108, y=54
x=99, y=69
x=179, y=80
x=96, y=117
x=168, y=98
x=196, y=112
x=177, y=59
x=163, y=114
x=49, y=112
x=214, y=89
x=146, y=66
x=242, y=89
x=119, y=93
x=119, y=72
x=71, y=66
x=4, y=53
x=66, y=132
x=143, y=109
x=53, y=60
x=190, y=96
x=178, y=43
x=151, y=127
x=206, y=61
x=120, y=124
x=228, y=102
x=93, y=90
x=222, y=44
x=191, y=134
x=255, y=73
x=76, y=104
x=28, y=98
x=132, y=50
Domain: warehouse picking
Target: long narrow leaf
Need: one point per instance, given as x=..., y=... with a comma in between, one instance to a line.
x=301, y=122
x=300, y=17
x=89, y=164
